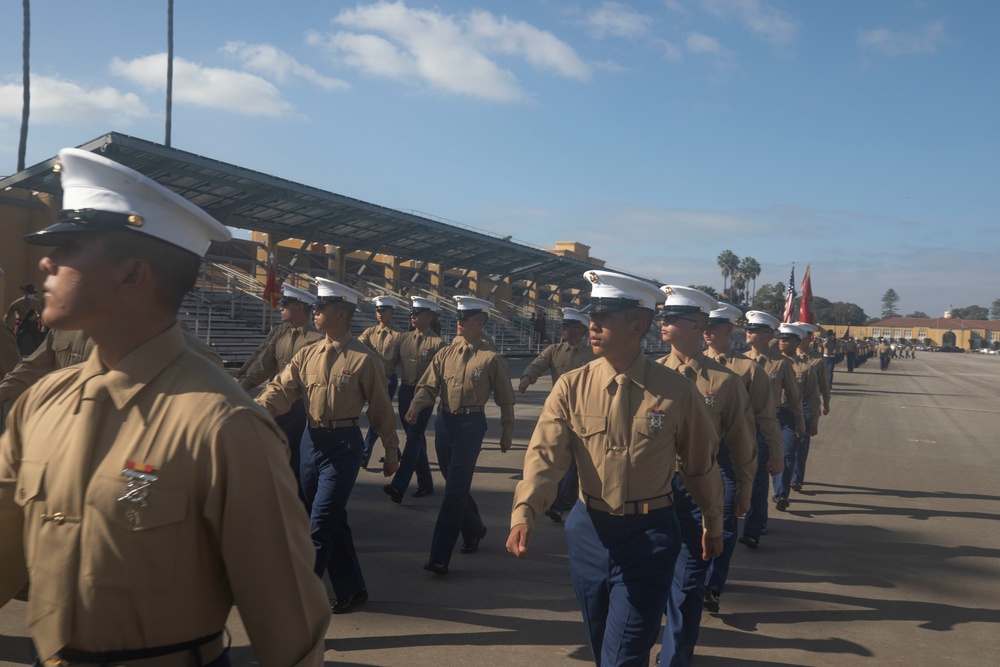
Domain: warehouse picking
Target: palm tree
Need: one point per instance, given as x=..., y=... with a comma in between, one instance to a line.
x=750, y=269
x=729, y=263
x=22, y=147
x=737, y=286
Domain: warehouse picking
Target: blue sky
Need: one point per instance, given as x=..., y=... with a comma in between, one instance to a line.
x=859, y=137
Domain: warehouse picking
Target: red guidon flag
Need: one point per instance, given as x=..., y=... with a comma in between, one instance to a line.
x=271, y=291
x=805, y=309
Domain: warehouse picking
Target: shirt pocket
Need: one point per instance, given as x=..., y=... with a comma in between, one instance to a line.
x=590, y=428
x=652, y=436
x=317, y=398
x=63, y=351
x=130, y=546
x=29, y=489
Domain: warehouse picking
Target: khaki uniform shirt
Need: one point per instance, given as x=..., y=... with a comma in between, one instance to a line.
x=465, y=375
x=487, y=341
x=335, y=378
x=805, y=377
x=276, y=351
x=851, y=347
x=761, y=399
x=65, y=348
x=416, y=350
x=10, y=354
x=19, y=307
x=669, y=421
x=814, y=400
x=729, y=406
x=558, y=358
x=822, y=375
x=784, y=388
x=884, y=348
x=222, y=523
x=829, y=347
x=384, y=341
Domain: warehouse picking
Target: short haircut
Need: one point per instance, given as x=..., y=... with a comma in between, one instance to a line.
x=175, y=270
x=345, y=306
x=644, y=314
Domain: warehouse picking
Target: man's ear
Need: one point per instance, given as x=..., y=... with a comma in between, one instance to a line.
x=135, y=273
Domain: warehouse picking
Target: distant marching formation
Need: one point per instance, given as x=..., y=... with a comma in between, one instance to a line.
x=146, y=492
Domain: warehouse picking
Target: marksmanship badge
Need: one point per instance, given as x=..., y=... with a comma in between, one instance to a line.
x=345, y=377
x=656, y=419
x=139, y=478
x=710, y=398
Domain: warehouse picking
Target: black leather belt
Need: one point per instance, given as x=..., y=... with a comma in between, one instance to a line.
x=74, y=657
x=631, y=506
x=332, y=423
x=464, y=411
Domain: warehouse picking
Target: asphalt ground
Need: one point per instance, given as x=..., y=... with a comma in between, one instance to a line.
x=889, y=556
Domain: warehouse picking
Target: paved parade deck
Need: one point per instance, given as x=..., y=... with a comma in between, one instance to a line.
x=889, y=556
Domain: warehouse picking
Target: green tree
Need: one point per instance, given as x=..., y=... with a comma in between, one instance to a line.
x=770, y=299
x=995, y=310
x=729, y=264
x=970, y=313
x=838, y=312
x=918, y=313
x=707, y=290
x=890, y=301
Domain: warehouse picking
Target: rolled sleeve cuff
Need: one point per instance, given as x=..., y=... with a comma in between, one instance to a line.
x=522, y=514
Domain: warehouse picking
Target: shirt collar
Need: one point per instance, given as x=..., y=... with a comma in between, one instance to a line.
x=636, y=371
x=338, y=344
x=137, y=369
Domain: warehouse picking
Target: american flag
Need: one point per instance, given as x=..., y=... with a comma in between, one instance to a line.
x=790, y=299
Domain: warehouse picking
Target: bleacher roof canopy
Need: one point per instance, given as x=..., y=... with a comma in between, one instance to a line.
x=248, y=199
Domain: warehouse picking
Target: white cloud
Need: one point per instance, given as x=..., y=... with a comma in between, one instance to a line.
x=57, y=101
x=774, y=26
x=675, y=6
x=208, y=87
x=278, y=65
x=615, y=19
x=447, y=52
x=926, y=39
x=703, y=44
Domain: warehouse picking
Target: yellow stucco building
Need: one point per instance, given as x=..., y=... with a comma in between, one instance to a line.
x=931, y=331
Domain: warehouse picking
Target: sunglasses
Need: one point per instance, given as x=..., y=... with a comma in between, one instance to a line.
x=672, y=319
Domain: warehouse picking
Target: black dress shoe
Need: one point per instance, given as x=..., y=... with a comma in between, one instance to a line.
x=420, y=493
x=472, y=546
x=436, y=567
x=554, y=515
x=393, y=494
x=711, y=603
x=344, y=605
x=751, y=542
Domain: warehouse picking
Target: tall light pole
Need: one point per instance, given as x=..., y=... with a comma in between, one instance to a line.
x=22, y=146
x=170, y=68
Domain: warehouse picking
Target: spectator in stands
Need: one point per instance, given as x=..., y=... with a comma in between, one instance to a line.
x=29, y=332
x=20, y=306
